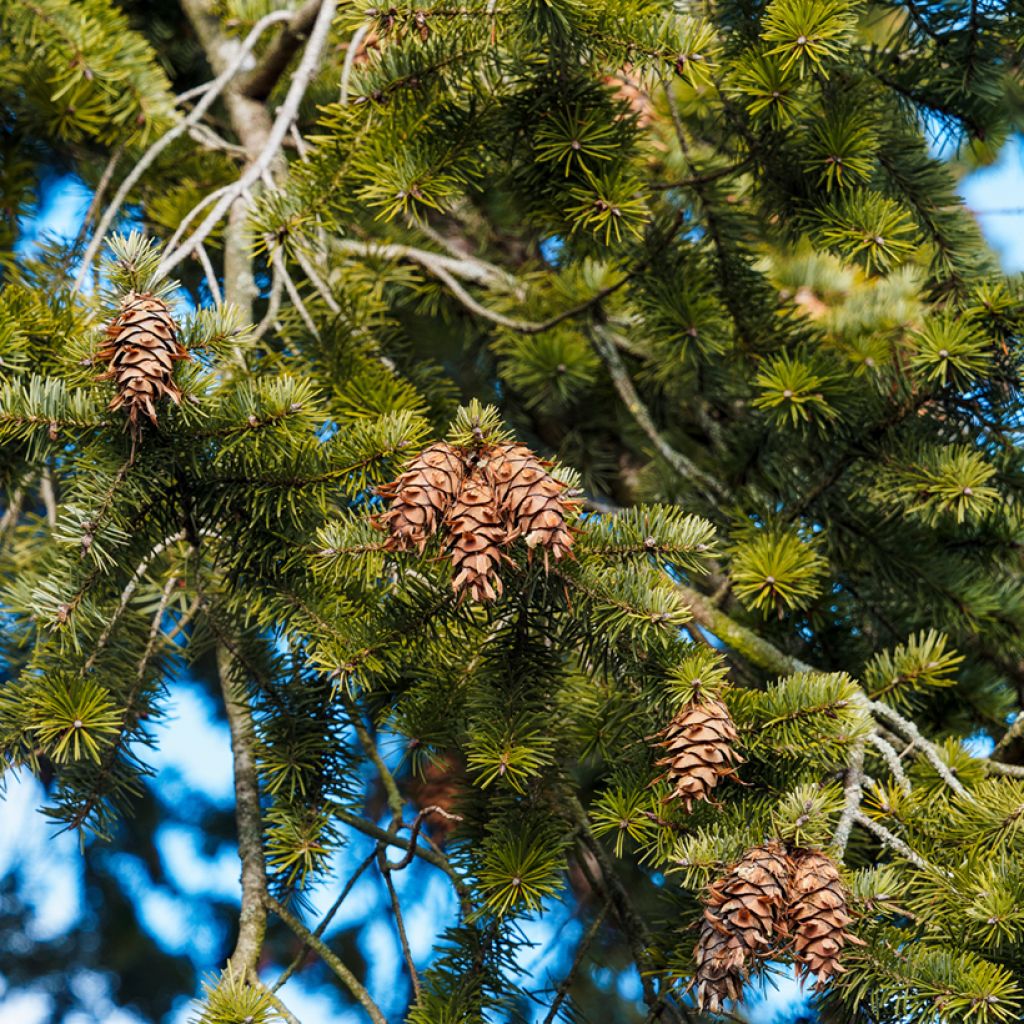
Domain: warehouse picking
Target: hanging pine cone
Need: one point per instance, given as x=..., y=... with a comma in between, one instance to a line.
x=818, y=916
x=475, y=539
x=140, y=350
x=743, y=918
x=421, y=497
x=532, y=502
x=698, y=744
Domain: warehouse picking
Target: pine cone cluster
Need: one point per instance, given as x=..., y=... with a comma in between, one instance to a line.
x=699, y=752
x=743, y=919
x=140, y=350
x=767, y=898
x=481, y=501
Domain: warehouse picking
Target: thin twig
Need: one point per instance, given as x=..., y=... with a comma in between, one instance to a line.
x=351, y=982
x=894, y=842
x=126, y=594
x=350, y=60
x=327, y=918
x=581, y=952
x=274, y=302
x=911, y=731
x=275, y=1001
x=258, y=83
x=892, y=759
x=211, y=277
x=396, y=907
x=852, y=795
x=293, y=294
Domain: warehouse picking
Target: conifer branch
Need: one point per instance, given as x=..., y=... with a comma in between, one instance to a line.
x=745, y=642
x=395, y=801
x=334, y=962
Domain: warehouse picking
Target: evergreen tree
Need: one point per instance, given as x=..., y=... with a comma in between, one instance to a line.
x=608, y=403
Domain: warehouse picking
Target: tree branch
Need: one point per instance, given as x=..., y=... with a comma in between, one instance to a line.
x=252, y=920
x=258, y=83
x=604, y=343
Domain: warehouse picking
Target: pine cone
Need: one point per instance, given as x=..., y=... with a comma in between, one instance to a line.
x=744, y=915
x=818, y=916
x=475, y=539
x=531, y=501
x=442, y=785
x=699, y=747
x=422, y=496
x=140, y=350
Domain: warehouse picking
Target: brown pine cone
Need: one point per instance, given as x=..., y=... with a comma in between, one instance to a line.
x=421, y=497
x=140, y=350
x=442, y=785
x=699, y=750
x=531, y=501
x=818, y=916
x=744, y=916
x=475, y=538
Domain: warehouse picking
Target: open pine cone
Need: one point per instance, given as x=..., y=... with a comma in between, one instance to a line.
x=422, y=496
x=482, y=500
x=818, y=916
x=140, y=350
x=699, y=750
x=743, y=918
x=532, y=502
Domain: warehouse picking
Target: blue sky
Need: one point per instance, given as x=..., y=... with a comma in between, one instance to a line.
x=194, y=755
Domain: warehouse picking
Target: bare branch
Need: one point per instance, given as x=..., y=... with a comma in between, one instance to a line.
x=912, y=733
x=147, y=159
x=396, y=907
x=258, y=83
x=581, y=953
x=126, y=594
x=853, y=793
x=894, y=842
x=605, y=345
x=252, y=918
x=300, y=81
x=892, y=759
